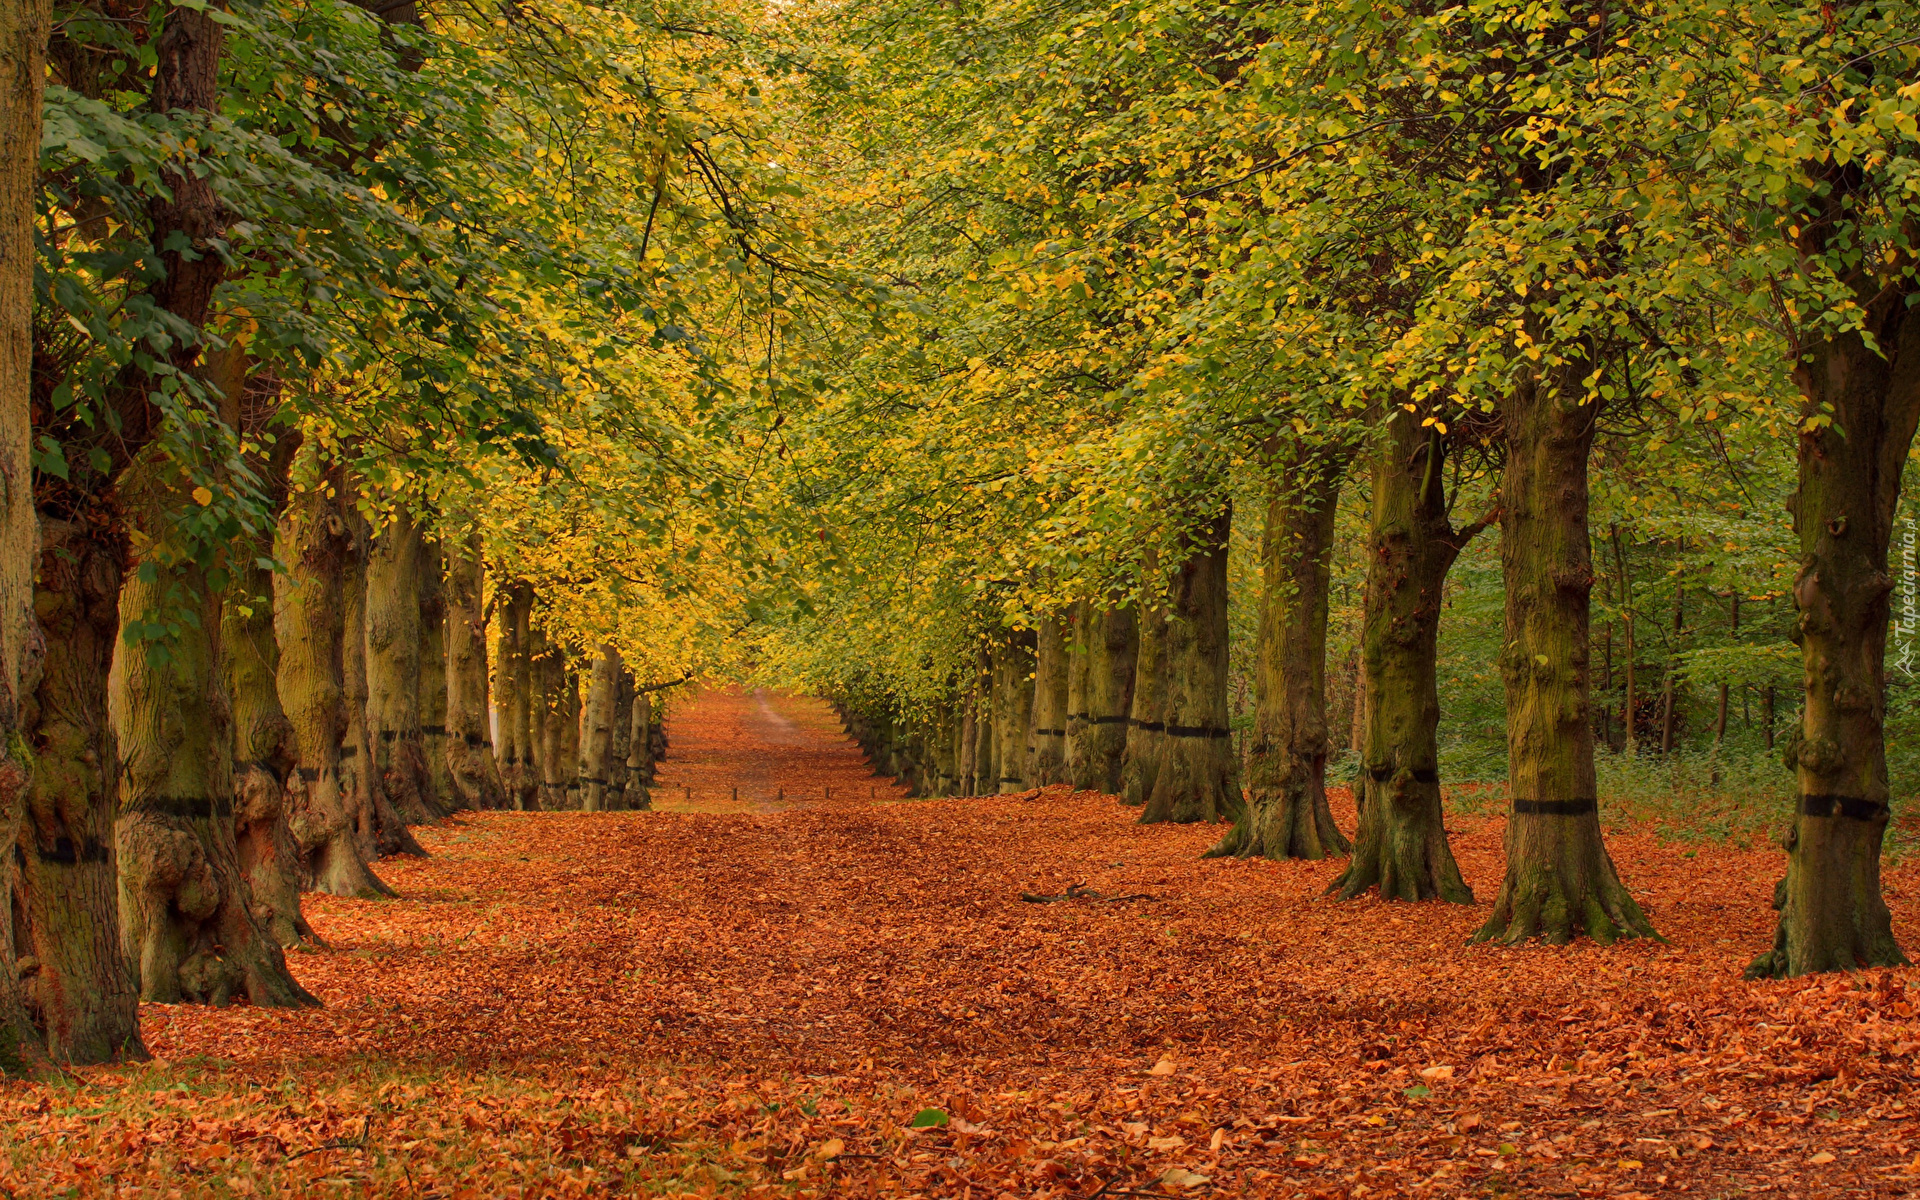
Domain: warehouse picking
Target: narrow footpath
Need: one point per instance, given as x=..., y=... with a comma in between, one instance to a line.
x=757, y=751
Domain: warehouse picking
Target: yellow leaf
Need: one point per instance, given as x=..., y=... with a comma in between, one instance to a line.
x=1821, y=1159
x=202, y=496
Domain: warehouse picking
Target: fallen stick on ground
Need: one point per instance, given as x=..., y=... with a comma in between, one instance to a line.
x=1080, y=891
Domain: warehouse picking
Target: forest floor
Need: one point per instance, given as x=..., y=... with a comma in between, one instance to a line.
x=758, y=1002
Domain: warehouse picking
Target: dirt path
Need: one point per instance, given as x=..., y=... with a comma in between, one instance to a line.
x=759, y=1003
x=738, y=751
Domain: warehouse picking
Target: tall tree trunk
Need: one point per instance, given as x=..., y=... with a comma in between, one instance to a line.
x=309, y=623
x=1286, y=814
x=78, y=986
x=1629, y=709
x=1013, y=671
x=378, y=826
x=986, y=772
x=596, y=758
x=1559, y=881
x=1146, y=710
x=1050, y=689
x=185, y=913
x=264, y=752
x=622, y=740
x=395, y=571
x=1401, y=847
x=1198, y=779
x=640, y=754
x=1082, y=626
x=471, y=771
x=23, y=68
x=544, y=670
x=1833, y=915
x=432, y=700
x=1112, y=648
x=570, y=740
x=524, y=781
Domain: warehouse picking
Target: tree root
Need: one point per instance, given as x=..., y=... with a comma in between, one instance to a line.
x=1283, y=824
x=1536, y=902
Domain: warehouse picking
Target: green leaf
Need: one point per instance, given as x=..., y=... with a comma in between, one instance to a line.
x=927, y=1118
x=1418, y=1091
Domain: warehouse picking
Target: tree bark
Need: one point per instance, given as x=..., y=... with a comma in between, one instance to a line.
x=394, y=649
x=471, y=771
x=1198, y=778
x=78, y=986
x=522, y=775
x=1082, y=626
x=1112, y=646
x=432, y=700
x=1146, y=737
x=570, y=740
x=596, y=758
x=378, y=826
x=264, y=754
x=1013, y=671
x=1858, y=418
x=185, y=913
x=543, y=672
x=309, y=623
x=1401, y=847
x=1559, y=881
x=1050, y=690
x=24, y=28
x=1286, y=815
x=640, y=754
x=622, y=740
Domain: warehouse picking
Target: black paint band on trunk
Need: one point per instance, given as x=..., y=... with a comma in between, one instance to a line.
x=1855, y=808
x=1557, y=808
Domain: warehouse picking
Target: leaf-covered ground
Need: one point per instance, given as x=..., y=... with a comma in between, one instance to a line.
x=760, y=1003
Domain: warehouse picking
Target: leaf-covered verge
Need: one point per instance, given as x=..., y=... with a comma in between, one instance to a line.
x=763, y=1003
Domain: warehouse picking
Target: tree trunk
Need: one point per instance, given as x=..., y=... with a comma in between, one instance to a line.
x=1081, y=628
x=1013, y=710
x=1833, y=915
x=986, y=776
x=1198, y=779
x=1112, y=646
x=309, y=622
x=432, y=699
x=23, y=68
x=1051, y=686
x=378, y=826
x=1286, y=814
x=185, y=913
x=394, y=648
x=622, y=740
x=1559, y=880
x=570, y=743
x=471, y=770
x=640, y=754
x=524, y=783
x=1146, y=727
x=1401, y=847
x=1629, y=710
x=264, y=754
x=77, y=985
x=544, y=670
x=596, y=759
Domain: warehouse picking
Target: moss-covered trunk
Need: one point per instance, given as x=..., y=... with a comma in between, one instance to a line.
x=521, y=727
x=186, y=915
x=472, y=772
x=380, y=828
x=1287, y=814
x=1560, y=882
x=1113, y=648
x=1198, y=778
x=432, y=699
x=1401, y=848
x=1082, y=624
x=1146, y=708
x=640, y=753
x=309, y=623
x=395, y=642
x=570, y=739
x=1050, y=691
x=544, y=671
x=23, y=60
x=1012, y=710
x=596, y=749
x=622, y=739
x=1833, y=914
x=79, y=990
